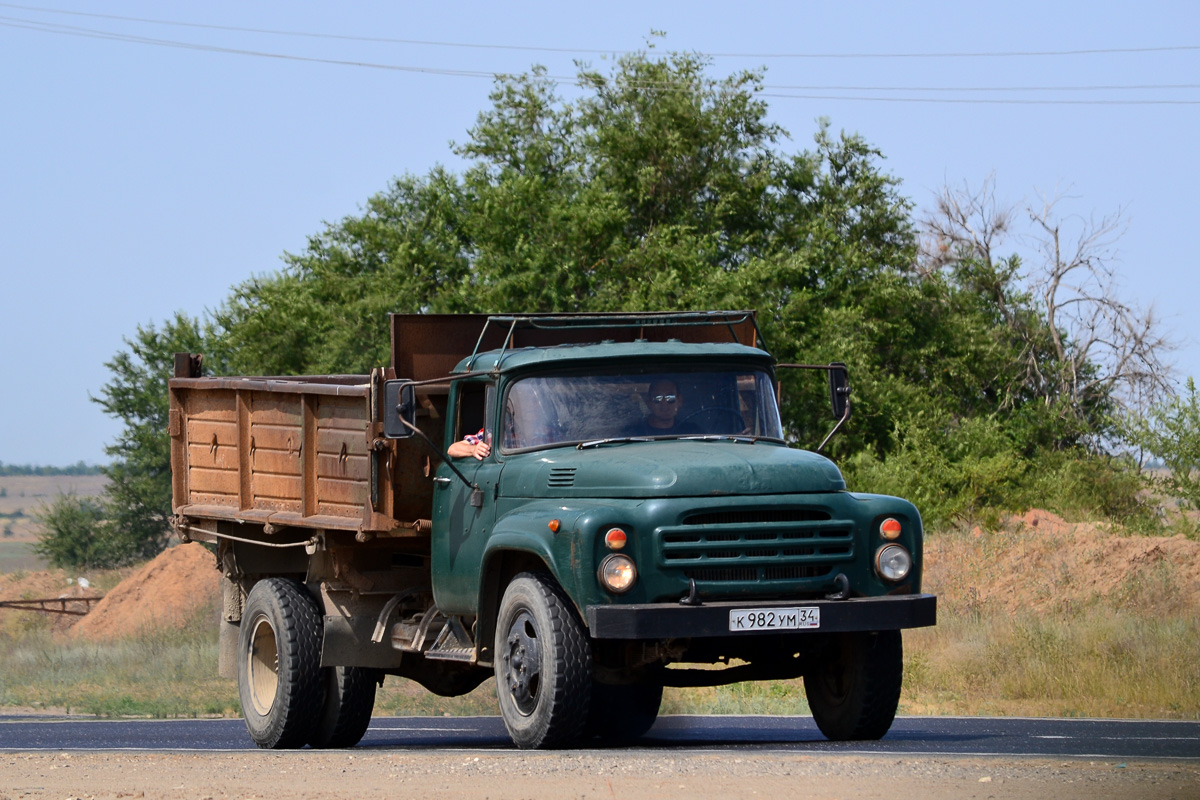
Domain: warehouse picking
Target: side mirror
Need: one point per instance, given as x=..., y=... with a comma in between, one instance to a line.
x=839, y=390
x=399, y=407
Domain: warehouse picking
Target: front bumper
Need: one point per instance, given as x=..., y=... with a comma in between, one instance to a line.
x=675, y=621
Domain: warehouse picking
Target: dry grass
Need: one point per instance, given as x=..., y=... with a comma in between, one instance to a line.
x=164, y=674
x=1095, y=664
x=1046, y=618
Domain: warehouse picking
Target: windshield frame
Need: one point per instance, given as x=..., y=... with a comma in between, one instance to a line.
x=764, y=386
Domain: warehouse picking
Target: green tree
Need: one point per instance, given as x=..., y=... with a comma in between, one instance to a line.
x=326, y=311
x=661, y=187
x=138, y=494
x=1171, y=431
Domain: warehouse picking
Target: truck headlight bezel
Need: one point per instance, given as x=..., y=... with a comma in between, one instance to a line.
x=617, y=573
x=893, y=563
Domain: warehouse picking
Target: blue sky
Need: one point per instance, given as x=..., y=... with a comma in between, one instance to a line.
x=138, y=179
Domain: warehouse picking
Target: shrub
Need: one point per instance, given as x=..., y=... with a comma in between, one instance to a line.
x=972, y=469
x=75, y=534
x=1171, y=431
x=951, y=469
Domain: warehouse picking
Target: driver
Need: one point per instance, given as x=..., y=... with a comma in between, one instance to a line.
x=665, y=402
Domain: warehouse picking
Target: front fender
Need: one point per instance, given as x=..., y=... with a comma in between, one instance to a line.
x=522, y=541
x=527, y=532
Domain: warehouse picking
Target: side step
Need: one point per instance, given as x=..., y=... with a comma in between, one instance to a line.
x=453, y=642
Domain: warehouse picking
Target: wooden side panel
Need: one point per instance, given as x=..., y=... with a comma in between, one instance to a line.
x=276, y=451
x=343, y=467
x=211, y=447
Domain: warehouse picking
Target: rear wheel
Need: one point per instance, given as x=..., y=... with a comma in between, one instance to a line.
x=280, y=683
x=349, y=701
x=623, y=712
x=543, y=664
x=855, y=690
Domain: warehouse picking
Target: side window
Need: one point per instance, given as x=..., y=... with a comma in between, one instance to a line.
x=472, y=408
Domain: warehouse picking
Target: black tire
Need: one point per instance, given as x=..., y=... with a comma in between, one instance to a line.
x=625, y=712
x=855, y=690
x=349, y=701
x=543, y=665
x=280, y=682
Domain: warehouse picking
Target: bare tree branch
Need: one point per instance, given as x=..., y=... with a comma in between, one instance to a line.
x=1103, y=344
x=1079, y=343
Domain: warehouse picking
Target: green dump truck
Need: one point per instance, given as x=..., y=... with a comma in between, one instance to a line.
x=638, y=521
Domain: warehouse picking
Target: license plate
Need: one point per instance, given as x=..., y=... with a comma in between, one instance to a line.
x=773, y=619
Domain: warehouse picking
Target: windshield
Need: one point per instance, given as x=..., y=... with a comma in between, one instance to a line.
x=541, y=411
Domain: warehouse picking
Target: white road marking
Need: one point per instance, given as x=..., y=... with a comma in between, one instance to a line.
x=426, y=730
x=1125, y=738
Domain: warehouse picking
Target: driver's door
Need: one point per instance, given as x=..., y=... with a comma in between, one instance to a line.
x=462, y=514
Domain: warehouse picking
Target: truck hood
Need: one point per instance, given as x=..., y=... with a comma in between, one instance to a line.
x=669, y=468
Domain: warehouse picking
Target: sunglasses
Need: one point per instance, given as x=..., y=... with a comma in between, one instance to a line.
x=664, y=398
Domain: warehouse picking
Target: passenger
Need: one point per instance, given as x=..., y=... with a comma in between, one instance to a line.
x=471, y=445
x=665, y=402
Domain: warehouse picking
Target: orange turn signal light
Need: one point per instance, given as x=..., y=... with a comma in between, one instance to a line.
x=554, y=525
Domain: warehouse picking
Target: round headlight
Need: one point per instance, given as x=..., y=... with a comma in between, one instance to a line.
x=617, y=573
x=893, y=562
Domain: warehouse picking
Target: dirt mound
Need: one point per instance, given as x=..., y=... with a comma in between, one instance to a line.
x=1040, y=562
x=168, y=592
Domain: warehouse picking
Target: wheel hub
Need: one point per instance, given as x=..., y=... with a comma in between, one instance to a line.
x=522, y=660
x=263, y=666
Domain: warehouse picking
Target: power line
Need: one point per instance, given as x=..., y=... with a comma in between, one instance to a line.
x=602, y=51
x=776, y=93
x=87, y=33
x=310, y=35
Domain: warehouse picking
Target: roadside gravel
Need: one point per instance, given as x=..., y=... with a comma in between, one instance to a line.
x=469, y=775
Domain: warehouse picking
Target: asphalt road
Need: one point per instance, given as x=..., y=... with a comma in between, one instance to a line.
x=966, y=736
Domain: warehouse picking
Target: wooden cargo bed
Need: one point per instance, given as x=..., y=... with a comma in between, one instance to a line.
x=284, y=452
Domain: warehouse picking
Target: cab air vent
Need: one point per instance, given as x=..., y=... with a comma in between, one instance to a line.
x=561, y=477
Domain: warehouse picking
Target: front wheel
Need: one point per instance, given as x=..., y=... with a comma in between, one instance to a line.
x=855, y=690
x=280, y=683
x=543, y=664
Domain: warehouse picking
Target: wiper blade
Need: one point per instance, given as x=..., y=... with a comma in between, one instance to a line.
x=718, y=437
x=613, y=440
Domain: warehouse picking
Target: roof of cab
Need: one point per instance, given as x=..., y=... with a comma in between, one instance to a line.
x=522, y=357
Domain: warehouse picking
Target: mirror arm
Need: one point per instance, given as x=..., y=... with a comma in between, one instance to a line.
x=449, y=462
x=845, y=390
x=836, y=428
